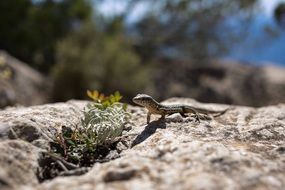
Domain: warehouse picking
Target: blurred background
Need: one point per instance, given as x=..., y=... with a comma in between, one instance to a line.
x=220, y=51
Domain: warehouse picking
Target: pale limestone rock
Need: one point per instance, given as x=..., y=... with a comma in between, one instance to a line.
x=19, y=163
x=25, y=132
x=241, y=149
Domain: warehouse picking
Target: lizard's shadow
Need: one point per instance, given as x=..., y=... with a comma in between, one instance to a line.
x=148, y=131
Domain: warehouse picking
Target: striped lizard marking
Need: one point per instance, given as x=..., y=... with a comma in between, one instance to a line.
x=155, y=107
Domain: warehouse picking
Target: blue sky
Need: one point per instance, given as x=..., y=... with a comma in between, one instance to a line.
x=258, y=48
x=261, y=48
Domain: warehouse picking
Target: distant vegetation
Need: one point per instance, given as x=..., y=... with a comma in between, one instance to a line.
x=30, y=29
x=279, y=14
x=89, y=58
x=80, y=48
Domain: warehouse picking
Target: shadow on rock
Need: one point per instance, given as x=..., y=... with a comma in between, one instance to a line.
x=148, y=131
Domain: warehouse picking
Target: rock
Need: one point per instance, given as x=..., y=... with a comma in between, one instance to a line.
x=18, y=160
x=228, y=82
x=25, y=133
x=20, y=84
x=241, y=149
x=40, y=122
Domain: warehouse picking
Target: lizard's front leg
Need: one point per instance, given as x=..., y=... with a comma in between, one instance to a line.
x=162, y=113
x=162, y=116
x=148, y=117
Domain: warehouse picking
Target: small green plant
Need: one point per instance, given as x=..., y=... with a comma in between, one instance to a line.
x=102, y=124
x=104, y=119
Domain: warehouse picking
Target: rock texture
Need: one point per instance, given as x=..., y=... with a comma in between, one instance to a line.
x=241, y=149
x=25, y=133
x=18, y=161
x=20, y=84
x=228, y=82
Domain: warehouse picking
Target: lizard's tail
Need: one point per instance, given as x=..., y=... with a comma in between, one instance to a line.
x=213, y=112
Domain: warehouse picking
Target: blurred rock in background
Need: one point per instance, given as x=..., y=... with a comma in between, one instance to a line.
x=20, y=84
x=229, y=82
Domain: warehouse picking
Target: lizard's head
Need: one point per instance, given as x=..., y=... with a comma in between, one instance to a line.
x=143, y=100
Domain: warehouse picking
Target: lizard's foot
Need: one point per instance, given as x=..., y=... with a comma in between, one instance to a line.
x=206, y=117
x=197, y=117
x=162, y=117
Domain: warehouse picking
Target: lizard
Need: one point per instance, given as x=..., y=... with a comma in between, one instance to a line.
x=155, y=107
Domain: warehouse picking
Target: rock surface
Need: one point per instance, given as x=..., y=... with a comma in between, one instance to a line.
x=241, y=149
x=228, y=82
x=25, y=133
x=20, y=84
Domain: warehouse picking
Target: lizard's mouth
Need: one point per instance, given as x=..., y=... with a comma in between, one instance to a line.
x=136, y=101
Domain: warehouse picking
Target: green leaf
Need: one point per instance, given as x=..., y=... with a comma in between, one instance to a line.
x=118, y=96
x=125, y=106
x=106, y=104
x=112, y=99
x=69, y=141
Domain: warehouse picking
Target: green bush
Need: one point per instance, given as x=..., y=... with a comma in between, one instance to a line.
x=92, y=59
x=30, y=29
x=102, y=124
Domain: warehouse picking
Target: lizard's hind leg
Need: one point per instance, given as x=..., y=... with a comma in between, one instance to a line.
x=191, y=110
x=197, y=117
